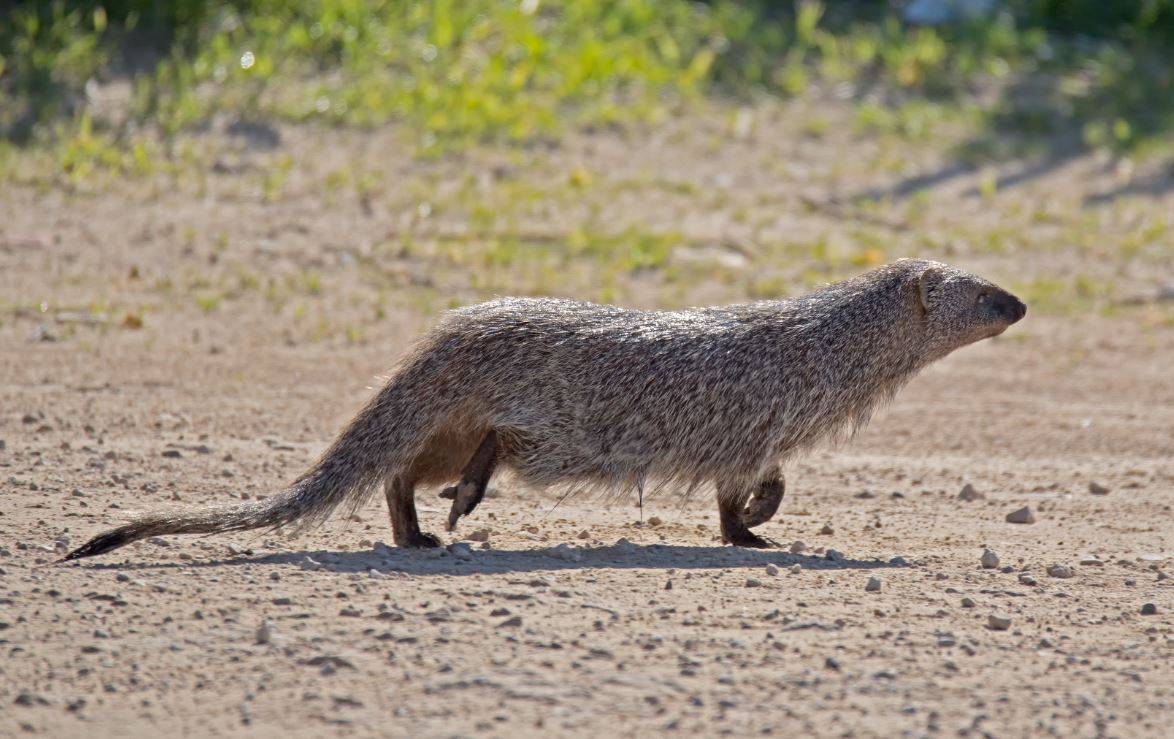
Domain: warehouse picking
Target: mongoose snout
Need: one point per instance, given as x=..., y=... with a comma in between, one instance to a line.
x=582, y=396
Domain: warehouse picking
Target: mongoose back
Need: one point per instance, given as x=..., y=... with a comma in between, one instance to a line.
x=574, y=394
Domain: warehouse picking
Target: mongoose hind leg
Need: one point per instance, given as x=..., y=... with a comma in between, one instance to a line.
x=765, y=501
x=469, y=492
x=731, y=503
x=405, y=527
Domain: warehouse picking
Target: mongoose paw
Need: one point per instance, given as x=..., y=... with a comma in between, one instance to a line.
x=464, y=500
x=759, y=512
x=421, y=540
x=751, y=540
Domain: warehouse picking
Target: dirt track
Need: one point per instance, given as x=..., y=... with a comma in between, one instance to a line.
x=578, y=619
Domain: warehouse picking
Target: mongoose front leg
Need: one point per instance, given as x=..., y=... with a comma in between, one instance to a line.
x=765, y=501
x=469, y=492
x=731, y=503
x=405, y=527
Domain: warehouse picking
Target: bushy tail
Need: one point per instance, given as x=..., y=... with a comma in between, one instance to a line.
x=385, y=436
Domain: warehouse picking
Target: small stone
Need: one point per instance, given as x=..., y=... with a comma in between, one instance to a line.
x=832, y=664
x=511, y=622
x=827, y=530
x=798, y=547
x=796, y=569
x=1061, y=571
x=989, y=559
x=969, y=494
x=172, y=453
x=479, y=535
x=460, y=550
x=834, y=556
x=654, y=521
x=1097, y=489
x=772, y=569
x=668, y=584
x=1149, y=609
x=898, y=561
x=567, y=553
x=968, y=603
x=1027, y=579
x=264, y=633
x=1023, y=515
x=1091, y=562
x=873, y=586
x=998, y=623
x=584, y=534
x=753, y=583
x=1046, y=643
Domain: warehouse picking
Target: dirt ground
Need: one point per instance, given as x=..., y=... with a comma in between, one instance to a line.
x=178, y=344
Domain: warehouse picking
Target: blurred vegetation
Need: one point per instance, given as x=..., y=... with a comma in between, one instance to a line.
x=1068, y=73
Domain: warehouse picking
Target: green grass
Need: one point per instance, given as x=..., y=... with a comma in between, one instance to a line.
x=462, y=71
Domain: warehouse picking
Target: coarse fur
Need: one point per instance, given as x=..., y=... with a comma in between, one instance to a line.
x=565, y=393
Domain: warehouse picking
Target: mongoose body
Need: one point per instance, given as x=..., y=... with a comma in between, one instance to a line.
x=565, y=393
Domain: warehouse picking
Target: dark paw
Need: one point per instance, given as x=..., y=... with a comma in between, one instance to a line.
x=764, y=504
x=420, y=540
x=751, y=540
x=758, y=512
x=465, y=498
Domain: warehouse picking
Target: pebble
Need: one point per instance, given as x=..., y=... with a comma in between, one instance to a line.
x=1023, y=515
x=998, y=623
x=1027, y=579
x=479, y=535
x=460, y=550
x=827, y=530
x=798, y=547
x=873, y=586
x=1092, y=562
x=969, y=494
x=512, y=622
x=834, y=556
x=654, y=521
x=584, y=534
x=796, y=569
x=968, y=603
x=989, y=560
x=832, y=664
x=1097, y=489
x=753, y=583
x=567, y=553
x=1149, y=609
x=1061, y=571
x=772, y=569
x=264, y=633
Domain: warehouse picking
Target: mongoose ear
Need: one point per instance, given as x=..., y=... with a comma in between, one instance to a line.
x=929, y=278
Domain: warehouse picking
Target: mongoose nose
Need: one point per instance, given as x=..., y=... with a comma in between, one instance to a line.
x=1018, y=309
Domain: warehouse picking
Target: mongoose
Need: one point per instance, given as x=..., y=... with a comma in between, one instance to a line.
x=575, y=394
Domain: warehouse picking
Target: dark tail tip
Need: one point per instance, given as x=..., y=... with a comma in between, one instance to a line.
x=100, y=544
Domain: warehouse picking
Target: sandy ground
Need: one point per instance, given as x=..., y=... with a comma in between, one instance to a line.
x=580, y=618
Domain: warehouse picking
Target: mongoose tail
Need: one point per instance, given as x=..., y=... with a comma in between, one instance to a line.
x=381, y=440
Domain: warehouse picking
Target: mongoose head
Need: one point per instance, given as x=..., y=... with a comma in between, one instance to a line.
x=959, y=308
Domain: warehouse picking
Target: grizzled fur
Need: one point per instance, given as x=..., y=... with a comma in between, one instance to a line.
x=574, y=394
